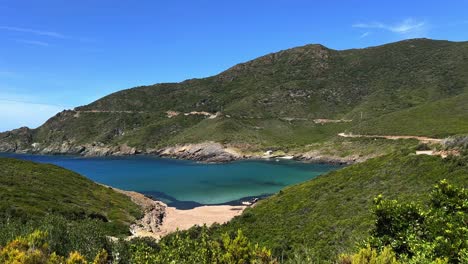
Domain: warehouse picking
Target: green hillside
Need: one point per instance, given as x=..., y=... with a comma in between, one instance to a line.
x=29, y=191
x=272, y=101
x=331, y=213
x=436, y=119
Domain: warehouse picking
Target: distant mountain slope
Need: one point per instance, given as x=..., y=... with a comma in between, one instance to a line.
x=331, y=213
x=30, y=190
x=270, y=102
x=437, y=119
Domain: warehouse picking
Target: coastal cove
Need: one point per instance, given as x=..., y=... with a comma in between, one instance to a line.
x=187, y=184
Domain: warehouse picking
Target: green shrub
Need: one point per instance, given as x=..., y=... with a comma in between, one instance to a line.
x=181, y=247
x=436, y=232
x=34, y=249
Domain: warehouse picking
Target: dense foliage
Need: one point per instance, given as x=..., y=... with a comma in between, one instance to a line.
x=52, y=215
x=29, y=191
x=178, y=248
x=86, y=236
x=409, y=232
x=311, y=222
x=34, y=249
x=331, y=213
x=425, y=233
x=197, y=246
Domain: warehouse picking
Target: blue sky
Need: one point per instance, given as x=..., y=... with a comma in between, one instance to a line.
x=57, y=54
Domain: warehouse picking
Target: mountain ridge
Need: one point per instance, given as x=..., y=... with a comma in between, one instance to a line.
x=266, y=103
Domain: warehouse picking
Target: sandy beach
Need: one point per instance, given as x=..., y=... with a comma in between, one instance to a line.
x=160, y=219
x=184, y=219
x=176, y=219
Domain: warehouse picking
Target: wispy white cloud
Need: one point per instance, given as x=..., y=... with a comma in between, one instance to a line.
x=365, y=34
x=10, y=94
x=33, y=42
x=45, y=33
x=35, y=31
x=407, y=27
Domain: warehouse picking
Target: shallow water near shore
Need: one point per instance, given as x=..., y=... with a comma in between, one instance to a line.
x=186, y=184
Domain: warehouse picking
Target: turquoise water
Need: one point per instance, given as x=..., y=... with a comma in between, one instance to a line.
x=186, y=184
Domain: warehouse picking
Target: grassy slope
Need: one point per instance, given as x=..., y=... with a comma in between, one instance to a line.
x=31, y=190
x=306, y=82
x=330, y=213
x=437, y=119
x=261, y=132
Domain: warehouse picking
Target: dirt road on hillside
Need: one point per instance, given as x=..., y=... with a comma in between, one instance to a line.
x=422, y=139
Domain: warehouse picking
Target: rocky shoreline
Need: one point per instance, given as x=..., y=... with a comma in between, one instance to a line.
x=20, y=141
x=208, y=152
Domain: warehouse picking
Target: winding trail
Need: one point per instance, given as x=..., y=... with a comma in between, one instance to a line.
x=422, y=139
x=109, y=111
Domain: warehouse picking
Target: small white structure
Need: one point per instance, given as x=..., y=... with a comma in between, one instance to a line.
x=249, y=203
x=425, y=152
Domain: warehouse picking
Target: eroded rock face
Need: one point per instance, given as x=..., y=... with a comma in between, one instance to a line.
x=67, y=147
x=152, y=219
x=317, y=157
x=8, y=147
x=207, y=152
x=16, y=140
x=153, y=214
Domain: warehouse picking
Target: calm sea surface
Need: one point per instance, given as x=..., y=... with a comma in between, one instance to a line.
x=187, y=184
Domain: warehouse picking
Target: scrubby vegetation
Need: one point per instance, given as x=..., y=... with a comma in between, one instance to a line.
x=436, y=119
x=312, y=222
x=71, y=212
x=416, y=87
x=195, y=246
x=52, y=215
x=408, y=232
x=331, y=213
x=29, y=191
x=457, y=142
x=403, y=232
x=33, y=249
x=63, y=236
x=198, y=246
x=419, y=233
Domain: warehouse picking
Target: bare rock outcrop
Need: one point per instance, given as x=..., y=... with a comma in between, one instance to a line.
x=318, y=157
x=16, y=140
x=90, y=150
x=206, y=152
x=154, y=213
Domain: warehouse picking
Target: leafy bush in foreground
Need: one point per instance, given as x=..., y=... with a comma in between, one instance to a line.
x=63, y=236
x=182, y=248
x=33, y=249
x=413, y=233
